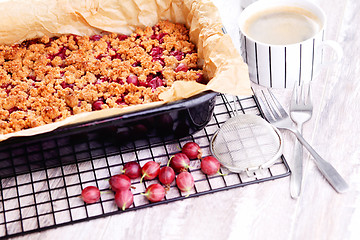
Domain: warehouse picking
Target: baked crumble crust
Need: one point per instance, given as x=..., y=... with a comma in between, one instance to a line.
x=49, y=79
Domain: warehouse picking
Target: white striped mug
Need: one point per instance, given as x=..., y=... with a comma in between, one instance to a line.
x=281, y=65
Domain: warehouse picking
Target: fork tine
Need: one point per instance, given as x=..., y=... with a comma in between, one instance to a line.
x=294, y=96
x=270, y=105
x=301, y=95
x=308, y=98
x=265, y=110
x=278, y=105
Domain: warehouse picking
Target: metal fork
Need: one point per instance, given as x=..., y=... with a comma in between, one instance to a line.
x=301, y=109
x=278, y=117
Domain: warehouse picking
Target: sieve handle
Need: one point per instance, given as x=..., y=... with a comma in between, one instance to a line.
x=329, y=172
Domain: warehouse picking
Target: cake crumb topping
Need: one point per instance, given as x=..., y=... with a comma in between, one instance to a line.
x=49, y=79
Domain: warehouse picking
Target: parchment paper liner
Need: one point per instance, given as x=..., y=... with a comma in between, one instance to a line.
x=221, y=62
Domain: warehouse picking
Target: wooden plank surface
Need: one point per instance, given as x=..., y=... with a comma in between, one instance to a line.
x=266, y=210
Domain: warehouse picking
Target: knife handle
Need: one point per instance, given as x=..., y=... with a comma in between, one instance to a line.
x=327, y=170
x=296, y=171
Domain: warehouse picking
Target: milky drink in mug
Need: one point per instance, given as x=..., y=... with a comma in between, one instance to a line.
x=282, y=25
x=282, y=41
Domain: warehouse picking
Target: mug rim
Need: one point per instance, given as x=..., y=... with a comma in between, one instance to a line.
x=268, y=4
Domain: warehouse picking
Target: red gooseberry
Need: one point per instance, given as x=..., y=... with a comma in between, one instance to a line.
x=90, y=194
x=166, y=175
x=97, y=105
x=185, y=182
x=181, y=67
x=155, y=192
x=150, y=170
x=180, y=162
x=119, y=182
x=210, y=165
x=124, y=199
x=192, y=150
x=132, y=170
x=132, y=79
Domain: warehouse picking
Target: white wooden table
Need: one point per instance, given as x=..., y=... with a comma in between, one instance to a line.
x=266, y=210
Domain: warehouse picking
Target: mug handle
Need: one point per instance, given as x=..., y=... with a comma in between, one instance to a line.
x=335, y=46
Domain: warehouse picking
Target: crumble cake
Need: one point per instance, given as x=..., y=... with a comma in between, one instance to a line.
x=49, y=79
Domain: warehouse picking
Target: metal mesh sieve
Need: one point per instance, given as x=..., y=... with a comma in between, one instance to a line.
x=246, y=142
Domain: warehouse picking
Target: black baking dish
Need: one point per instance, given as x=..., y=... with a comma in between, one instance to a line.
x=78, y=142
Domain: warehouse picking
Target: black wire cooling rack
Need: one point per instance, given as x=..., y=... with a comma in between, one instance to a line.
x=49, y=197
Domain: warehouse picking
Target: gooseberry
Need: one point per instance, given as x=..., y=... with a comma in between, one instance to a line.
x=90, y=194
x=119, y=182
x=166, y=175
x=192, y=150
x=185, y=182
x=132, y=170
x=180, y=162
x=150, y=170
x=155, y=192
x=124, y=199
x=210, y=165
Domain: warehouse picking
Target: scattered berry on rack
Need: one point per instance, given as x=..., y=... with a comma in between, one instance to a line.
x=150, y=170
x=155, y=192
x=180, y=162
x=124, y=199
x=119, y=182
x=90, y=194
x=166, y=175
x=192, y=150
x=210, y=165
x=132, y=170
x=185, y=182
